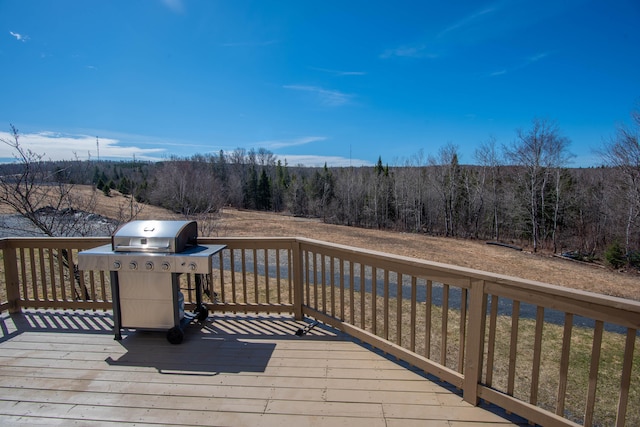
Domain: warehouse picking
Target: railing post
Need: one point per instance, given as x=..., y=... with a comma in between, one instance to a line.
x=297, y=280
x=11, y=279
x=475, y=342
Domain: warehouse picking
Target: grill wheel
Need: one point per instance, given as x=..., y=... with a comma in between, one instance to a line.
x=175, y=335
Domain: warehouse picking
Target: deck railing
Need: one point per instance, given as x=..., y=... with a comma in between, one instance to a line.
x=553, y=355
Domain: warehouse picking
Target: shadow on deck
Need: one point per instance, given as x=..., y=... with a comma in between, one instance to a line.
x=64, y=366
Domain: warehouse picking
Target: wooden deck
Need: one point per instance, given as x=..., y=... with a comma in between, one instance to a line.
x=65, y=368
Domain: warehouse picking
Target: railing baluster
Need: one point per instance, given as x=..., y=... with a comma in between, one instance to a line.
x=23, y=275
x=513, y=347
x=363, y=293
x=342, y=298
x=63, y=283
x=52, y=273
x=298, y=263
x=445, y=324
x=212, y=290
x=537, y=351
x=256, y=287
x=83, y=285
x=34, y=275
x=491, y=345
x=266, y=276
x=427, y=319
x=103, y=286
x=315, y=279
x=323, y=282
x=332, y=272
x=351, y=294
x=564, y=363
x=278, y=287
x=244, y=276
x=43, y=274
x=414, y=297
x=386, y=304
x=94, y=289
x=310, y=274
x=290, y=271
x=399, y=308
x=625, y=381
x=232, y=266
x=593, y=373
x=463, y=329
x=374, y=300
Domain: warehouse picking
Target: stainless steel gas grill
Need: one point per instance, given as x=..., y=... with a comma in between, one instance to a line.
x=145, y=260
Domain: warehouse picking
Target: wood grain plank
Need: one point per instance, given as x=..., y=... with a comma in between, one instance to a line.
x=239, y=370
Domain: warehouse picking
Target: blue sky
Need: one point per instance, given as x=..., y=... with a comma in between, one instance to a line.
x=341, y=82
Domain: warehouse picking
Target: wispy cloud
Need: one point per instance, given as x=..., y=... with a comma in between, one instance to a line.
x=408, y=51
x=498, y=73
x=276, y=144
x=471, y=28
x=175, y=5
x=538, y=57
x=467, y=21
x=339, y=72
x=19, y=37
x=249, y=43
x=327, y=97
x=59, y=146
x=311, y=160
x=525, y=63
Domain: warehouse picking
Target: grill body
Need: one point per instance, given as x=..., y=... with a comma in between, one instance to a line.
x=145, y=260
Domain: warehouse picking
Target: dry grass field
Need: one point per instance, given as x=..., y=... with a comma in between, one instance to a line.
x=464, y=253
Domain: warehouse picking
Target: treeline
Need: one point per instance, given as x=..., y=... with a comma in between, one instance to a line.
x=524, y=193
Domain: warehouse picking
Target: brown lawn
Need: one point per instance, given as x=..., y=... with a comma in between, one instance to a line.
x=464, y=253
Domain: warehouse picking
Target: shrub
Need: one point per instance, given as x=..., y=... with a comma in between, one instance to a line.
x=634, y=258
x=615, y=256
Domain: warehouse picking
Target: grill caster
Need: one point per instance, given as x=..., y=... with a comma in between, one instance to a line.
x=201, y=313
x=175, y=335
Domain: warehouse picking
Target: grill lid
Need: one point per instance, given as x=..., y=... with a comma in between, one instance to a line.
x=155, y=236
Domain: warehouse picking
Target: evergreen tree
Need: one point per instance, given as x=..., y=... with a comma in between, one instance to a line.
x=124, y=186
x=264, y=192
x=251, y=189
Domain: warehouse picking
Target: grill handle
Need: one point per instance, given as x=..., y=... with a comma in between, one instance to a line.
x=151, y=248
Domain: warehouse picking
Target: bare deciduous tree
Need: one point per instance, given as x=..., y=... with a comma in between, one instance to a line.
x=44, y=196
x=622, y=152
x=490, y=161
x=539, y=151
x=41, y=193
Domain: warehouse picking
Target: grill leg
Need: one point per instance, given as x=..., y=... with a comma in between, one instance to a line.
x=201, y=310
x=115, y=296
x=198, y=289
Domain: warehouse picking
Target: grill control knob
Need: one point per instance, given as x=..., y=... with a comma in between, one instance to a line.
x=148, y=265
x=117, y=265
x=193, y=266
x=165, y=266
x=133, y=265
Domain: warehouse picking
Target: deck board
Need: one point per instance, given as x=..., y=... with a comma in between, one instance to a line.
x=65, y=368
